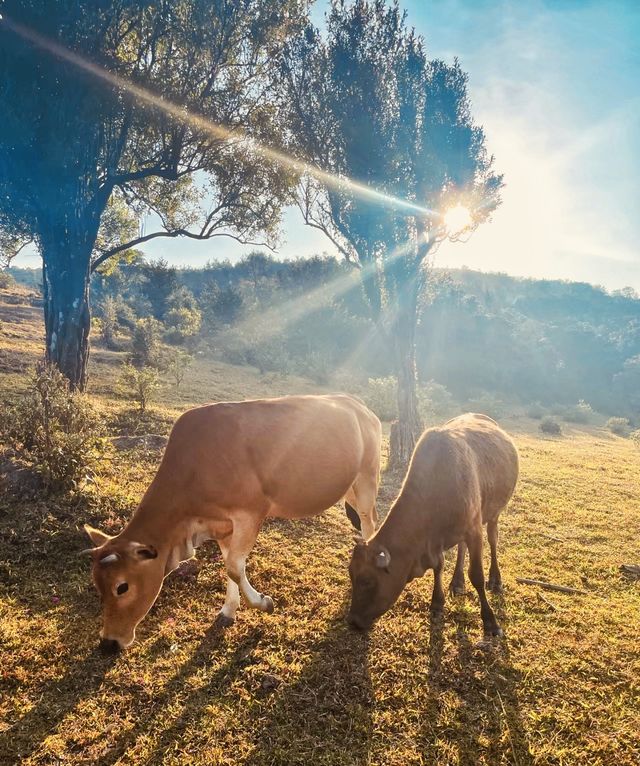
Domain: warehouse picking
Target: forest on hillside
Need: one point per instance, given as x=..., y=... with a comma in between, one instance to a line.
x=551, y=342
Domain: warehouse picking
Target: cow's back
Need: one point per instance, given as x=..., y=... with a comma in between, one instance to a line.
x=468, y=465
x=290, y=456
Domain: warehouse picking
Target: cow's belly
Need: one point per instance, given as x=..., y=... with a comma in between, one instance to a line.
x=307, y=501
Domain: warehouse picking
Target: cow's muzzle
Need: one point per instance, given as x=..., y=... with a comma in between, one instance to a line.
x=110, y=646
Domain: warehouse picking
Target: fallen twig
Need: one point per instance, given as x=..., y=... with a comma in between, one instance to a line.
x=551, y=586
x=547, y=602
x=630, y=569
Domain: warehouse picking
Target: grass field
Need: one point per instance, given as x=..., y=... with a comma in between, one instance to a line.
x=298, y=687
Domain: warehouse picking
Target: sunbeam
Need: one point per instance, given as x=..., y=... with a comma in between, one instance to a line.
x=212, y=128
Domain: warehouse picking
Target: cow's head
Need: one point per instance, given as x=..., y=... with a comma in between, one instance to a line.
x=376, y=583
x=128, y=576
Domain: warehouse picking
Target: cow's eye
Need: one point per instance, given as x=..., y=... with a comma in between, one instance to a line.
x=122, y=588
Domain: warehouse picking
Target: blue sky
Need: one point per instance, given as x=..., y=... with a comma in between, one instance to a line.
x=556, y=85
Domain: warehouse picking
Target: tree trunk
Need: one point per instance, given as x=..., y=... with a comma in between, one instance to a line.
x=405, y=431
x=66, y=255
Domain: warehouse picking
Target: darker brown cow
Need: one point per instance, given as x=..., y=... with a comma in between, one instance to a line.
x=226, y=468
x=460, y=477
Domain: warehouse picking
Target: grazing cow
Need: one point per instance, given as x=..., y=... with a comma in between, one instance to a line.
x=225, y=469
x=461, y=476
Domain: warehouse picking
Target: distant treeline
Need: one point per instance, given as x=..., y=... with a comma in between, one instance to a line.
x=479, y=334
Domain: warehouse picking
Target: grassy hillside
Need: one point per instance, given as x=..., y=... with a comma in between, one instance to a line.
x=298, y=687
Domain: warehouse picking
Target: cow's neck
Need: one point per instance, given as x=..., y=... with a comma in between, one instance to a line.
x=174, y=535
x=407, y=535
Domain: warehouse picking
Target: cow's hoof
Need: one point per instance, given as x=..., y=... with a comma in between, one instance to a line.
x=495, y=587
x=437, y=610
x=494, y=631
x=224, y=621
x=267, y=604
x=457, y=590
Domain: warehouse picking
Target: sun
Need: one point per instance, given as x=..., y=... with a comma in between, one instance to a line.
x=457, y=219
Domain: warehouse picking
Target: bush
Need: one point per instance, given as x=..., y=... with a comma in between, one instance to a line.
x=177, y=364
x=435, y=402
x=579, y=413
x=182, y=324
x=486, y=404
x=6, y=280
x=146, y=343
x=635, y=438
x=549, y=425
x=109, y=322
x=535, y=411
x=269, y=356
x=381, y=395
x=316, y=366
x=55, y=429
x=139, y=383
x=619, y=426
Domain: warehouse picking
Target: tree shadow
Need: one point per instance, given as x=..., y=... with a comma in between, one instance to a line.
x=326, y=715
x=487, y=717
x=192, y=704
x=56, y=699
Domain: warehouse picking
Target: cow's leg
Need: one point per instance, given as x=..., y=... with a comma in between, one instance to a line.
x=438, y=597
x=361, y=497
x=456, y=586
x=235, y=552
x=476, y=575
x=495, y=579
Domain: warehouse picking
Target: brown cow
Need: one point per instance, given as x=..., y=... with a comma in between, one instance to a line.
x=225, y=469
x=461, y=476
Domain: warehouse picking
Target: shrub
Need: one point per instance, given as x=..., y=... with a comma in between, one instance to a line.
x=487, y=404
x=109, y=322
x=146, y=343
x=535, y=411
x=619, y=426
x=55, y=429
x=381, y=395
x=269, y=355
x=182, y=324
x=435, y=402
x=635, y=438
x=139, y=383
x=177, y=364
x=549, y=425
x=316, y=366
x=6, y=280
x=579, y=413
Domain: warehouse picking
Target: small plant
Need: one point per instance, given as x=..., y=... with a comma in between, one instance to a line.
x=139, y=383
x=178, y=363
x=146, y=343
x=381, y=396
x=109, y=322
x=549, y=425
x=619, y=426
x=54, y=428
x=6, y=280
x=635, y=438
x=579, y=413
x=535, y=411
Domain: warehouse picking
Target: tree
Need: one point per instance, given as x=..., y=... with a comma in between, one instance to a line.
x=366, y=104
x=83, y=158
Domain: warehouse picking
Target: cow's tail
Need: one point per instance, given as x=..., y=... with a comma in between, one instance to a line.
x=352, y=515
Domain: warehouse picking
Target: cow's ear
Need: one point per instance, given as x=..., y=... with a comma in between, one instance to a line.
x=97, y=537
x=383, y=559
x=141, y=551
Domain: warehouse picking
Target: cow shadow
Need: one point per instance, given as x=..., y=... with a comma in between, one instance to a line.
x=327, y=713
x=487, y=718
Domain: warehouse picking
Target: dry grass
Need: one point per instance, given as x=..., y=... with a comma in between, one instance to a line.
x=298, y=687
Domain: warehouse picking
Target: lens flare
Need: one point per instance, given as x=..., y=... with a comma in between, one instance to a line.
x=457, y=219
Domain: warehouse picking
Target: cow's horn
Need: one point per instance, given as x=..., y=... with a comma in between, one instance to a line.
x=109, y=558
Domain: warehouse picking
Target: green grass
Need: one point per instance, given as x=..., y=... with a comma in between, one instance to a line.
x=298, y=687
